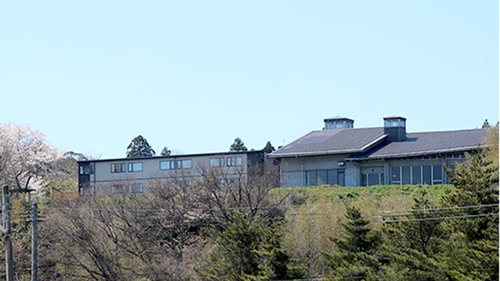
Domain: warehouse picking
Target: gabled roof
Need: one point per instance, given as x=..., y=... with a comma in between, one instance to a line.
x=417, y=144
x=327, y=142
x=370, y=143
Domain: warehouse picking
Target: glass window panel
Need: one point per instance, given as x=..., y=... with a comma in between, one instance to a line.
x=166, y=165
x=427, y=174
x=373, y=179
x=332, y=177
x=310, y=178
x=322, y=177
x=135, y=167
x=364, y=179
x=406, y=175
x=187, y=164
x=341, y=178
x=396, y=175
x=416, y=175
x=437, y=174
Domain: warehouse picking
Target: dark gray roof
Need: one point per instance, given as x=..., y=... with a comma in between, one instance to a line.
x=359, y=143
x=336, y=141
x=417, y=144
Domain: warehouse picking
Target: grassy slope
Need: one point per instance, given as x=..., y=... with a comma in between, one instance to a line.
x=317, y=213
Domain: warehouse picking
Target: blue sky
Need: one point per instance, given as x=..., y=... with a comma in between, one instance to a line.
x=194, y=75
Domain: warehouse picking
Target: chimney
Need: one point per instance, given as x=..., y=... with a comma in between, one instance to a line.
x=395, y=128
x=338, y=122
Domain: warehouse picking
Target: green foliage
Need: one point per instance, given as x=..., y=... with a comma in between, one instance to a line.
x=357, y=251
x=268, y=148
x=413, y=241
x=139, y=147
x=244, y=250
x=165, y=152
x=238, y=145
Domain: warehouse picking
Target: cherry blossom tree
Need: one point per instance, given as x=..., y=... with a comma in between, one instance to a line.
x=26, y=158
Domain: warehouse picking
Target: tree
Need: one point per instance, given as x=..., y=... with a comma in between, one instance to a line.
x=25, y=158
x=475, y=236
x=414, y=241
x=268, y=148
x=357, y=251
x=238, y=145
x=139, y=147
x=247, y=250
x=165, y=152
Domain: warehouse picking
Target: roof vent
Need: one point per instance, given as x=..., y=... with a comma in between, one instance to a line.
x=338, y=122
x=395, y=128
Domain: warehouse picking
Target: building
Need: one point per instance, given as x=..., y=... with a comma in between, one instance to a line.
x=343, y=155
x=130, y=175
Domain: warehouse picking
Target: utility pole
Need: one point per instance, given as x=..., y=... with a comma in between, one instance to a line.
x=9, y=264
x=34, y=251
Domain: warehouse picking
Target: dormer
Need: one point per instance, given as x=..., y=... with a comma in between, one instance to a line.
x=338, y=122
x=395, y=128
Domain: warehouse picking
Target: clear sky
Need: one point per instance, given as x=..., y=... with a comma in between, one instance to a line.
x=194, y=75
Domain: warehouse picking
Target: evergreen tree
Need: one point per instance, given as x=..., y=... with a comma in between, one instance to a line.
x=238, y=145
x=268, y=148
x=165, y=152
x=474, y=235
x=413, y=241
x=139, y=147
x=247, y=251
x=357, y=252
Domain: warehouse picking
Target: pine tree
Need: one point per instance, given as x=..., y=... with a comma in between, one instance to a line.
x=268, y=148
x=139, y=147
x=238, y=145
x=165, y=152
x=413, y=241
x=357, y=252
x=474, y=237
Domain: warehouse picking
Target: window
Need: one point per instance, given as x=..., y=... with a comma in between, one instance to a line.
x=217, y=162
x=416, y=173
x=426, y=175
x=234, y=161
x=86, y=170
x=331, y=177
x=118, y=189
x=396, y=175
x=118, y=168
x=406, y=175
x=135, y=167
x=184, y=164
x=167, y=165
x=136, y=188
x=437, y=174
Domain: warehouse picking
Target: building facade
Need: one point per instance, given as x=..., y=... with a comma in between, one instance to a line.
x=342, y=155
x=131, y=175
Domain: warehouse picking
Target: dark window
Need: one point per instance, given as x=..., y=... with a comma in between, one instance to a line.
x=437, y=174
x=118, y=168
x=310, y=178
x=341, y=178
x=427, y=178
x=396, y=175
x=332, y=177
x=322, y=179
x=416, y=175
x=406, y=175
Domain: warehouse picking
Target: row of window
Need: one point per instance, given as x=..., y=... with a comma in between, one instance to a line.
x=418, y=175
x=132, y=167
x=176, y=164
x=407, y=175
x=227, y=161
x=331, y=177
